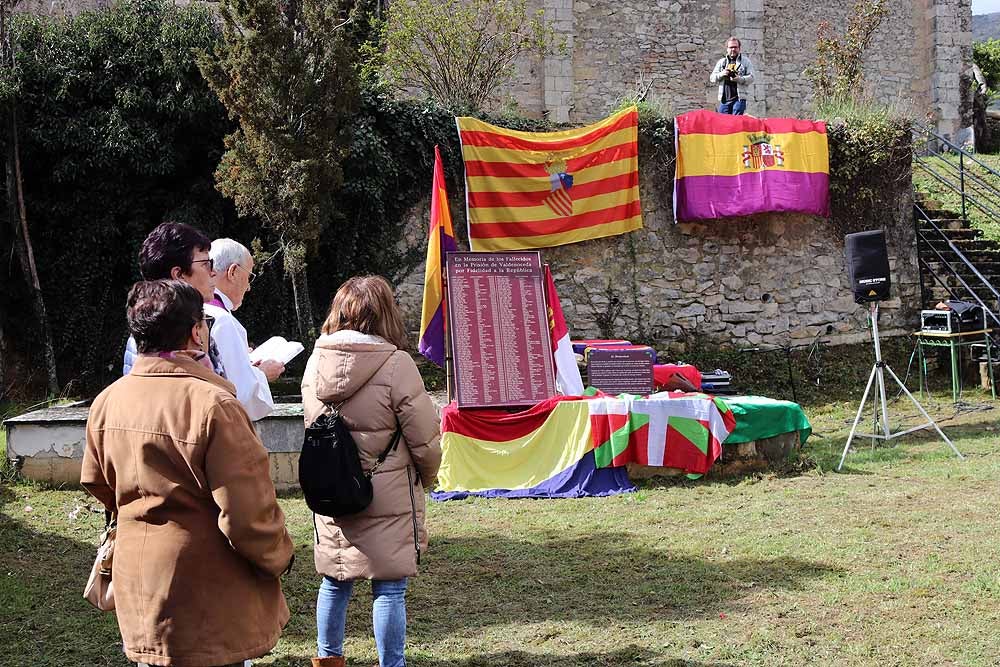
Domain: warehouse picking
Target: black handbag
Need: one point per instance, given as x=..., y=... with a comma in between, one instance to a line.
x=330, y=473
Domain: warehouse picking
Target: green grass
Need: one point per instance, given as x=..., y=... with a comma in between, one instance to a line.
x=892, y=562
x=947, y=199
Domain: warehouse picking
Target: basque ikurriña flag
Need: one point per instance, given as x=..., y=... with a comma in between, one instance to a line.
x=440, y=241
x=527, y=190
x=740, y=165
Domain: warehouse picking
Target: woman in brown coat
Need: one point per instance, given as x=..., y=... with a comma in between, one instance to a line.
x=360, y=364
x=201, y=540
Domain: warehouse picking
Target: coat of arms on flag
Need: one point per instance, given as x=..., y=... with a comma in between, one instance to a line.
x=559, y=200
x=760, y=153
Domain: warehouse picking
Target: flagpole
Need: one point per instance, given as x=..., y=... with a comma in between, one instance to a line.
x=448, y=368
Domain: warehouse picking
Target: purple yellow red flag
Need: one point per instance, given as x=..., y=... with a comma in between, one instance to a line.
x=440, y=241
x=527, y=190
x=739, y=165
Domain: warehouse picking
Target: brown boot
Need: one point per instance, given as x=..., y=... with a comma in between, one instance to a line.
x=332, y=661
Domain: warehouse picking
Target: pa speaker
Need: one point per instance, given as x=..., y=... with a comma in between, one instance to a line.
x=868, y=266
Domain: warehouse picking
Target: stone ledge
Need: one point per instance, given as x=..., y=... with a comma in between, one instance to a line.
x=737, y=459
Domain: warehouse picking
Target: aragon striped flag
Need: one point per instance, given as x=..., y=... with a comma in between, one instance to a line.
x=740, y=165
x=527, y=190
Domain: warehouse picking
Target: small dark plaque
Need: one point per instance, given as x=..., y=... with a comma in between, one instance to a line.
x=501, y=350
x=620, y=371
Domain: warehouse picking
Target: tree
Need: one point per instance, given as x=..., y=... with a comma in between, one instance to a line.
x=987, y=56
x=16, y=210
x=458, y=51
x=118, y=131
x=838, y=72
x=285, y=71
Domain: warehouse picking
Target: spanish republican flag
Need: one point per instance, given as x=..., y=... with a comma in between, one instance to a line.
x=527, y=190
x=739, y=165
x=440, y=241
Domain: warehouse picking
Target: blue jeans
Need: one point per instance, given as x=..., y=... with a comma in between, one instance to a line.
x=388, y=617
x=736, y=107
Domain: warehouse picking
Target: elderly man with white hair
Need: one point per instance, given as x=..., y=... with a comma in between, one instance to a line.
x=233, y=266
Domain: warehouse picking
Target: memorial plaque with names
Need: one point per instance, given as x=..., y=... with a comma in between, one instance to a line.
x=497, y=318
x=620, y=371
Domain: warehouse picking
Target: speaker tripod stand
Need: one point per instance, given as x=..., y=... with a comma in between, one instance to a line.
x=878, y=372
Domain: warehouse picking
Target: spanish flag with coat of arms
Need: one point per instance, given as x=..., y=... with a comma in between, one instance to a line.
x=740, y=165
x=528, y=190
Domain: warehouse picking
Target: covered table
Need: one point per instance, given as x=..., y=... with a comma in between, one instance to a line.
x=577, y=446
x=759, y=418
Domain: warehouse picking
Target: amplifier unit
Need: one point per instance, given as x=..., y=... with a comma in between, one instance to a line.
x=938, y=320
x=952, y=321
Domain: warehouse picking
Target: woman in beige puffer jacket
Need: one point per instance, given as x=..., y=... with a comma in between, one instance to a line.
x=360, y=362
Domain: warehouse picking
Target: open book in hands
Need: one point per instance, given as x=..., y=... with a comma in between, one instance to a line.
x=276, y=348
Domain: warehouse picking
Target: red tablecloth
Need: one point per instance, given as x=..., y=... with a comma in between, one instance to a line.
x=663, y=372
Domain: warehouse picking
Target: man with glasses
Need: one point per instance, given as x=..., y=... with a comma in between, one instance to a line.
x=733, y=73
x=177, y=251
x=233, y=266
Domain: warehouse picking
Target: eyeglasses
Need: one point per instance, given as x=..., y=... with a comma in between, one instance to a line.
x=210, y=262
x=209, y=320
x=251, y=276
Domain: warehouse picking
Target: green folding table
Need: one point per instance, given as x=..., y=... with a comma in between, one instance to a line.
x=954, y=342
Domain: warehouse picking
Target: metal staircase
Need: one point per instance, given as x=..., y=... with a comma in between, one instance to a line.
x=956, y=262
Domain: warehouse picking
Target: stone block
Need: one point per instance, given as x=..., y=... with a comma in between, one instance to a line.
x=52, y=470
x=748, y=19
x=712, y=300
x=734, y=283
x=284, y=470
x=779, y=449
x=745, y=306
x=691, y=311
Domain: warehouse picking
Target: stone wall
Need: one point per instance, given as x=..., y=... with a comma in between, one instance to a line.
x=765, y=281
x=670, y=46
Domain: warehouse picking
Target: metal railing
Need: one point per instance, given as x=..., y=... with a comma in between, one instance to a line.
x=975, y=182
x=953, y=262
x=977, y=186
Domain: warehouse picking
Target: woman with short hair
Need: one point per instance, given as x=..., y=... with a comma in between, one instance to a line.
x=201, y=541
x=360, y=364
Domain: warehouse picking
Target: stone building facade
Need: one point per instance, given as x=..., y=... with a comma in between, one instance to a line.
x=667, y=48
x=916, y=60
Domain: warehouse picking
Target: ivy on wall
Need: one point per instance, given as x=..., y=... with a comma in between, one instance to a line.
x=870, y=157
x=118, y=133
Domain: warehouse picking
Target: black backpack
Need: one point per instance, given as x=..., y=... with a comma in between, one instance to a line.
x=330, y=473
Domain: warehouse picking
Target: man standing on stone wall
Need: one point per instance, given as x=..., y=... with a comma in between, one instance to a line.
x=732, y=73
